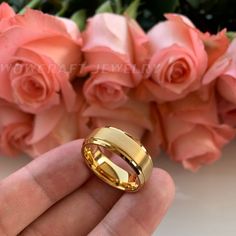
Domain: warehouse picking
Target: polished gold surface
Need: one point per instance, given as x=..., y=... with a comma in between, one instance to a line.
x=104, y=141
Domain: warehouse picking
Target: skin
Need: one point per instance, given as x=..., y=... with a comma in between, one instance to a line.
x=57, y=195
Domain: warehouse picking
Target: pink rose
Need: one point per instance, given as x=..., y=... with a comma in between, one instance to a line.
x=15, y=129
x=37, y=134
x=180, y=57
x=223, y=71
x=39, y=57
x=193, y=133
x=51, y=129
x=133, y=117
x=139, y=119
x=153, y=139
x=227, y=112
x=6, y=11
x=215, y=45
x=56, y=126
x=114, y=58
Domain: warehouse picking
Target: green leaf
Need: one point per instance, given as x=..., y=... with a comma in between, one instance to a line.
x=105, y=7
x=31, y=4
x=132, y=9
x=64, y=8
x=79, y=18
x=117, y=6
x=231, y=35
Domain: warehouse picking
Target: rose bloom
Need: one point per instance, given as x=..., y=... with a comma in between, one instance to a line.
x=51, y=129
x=180, y=56
x=56, y=126
x=227, y=112
x=5, y=12
x=114, y=58
x=137, y=118
x=133, y=117
x=15, y=129
x=37, y=134
x=153, y=139
x=39, y=56
x=192, y=131
x=223, y=72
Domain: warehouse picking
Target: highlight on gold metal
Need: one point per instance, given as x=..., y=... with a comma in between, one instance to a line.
x=109, y=139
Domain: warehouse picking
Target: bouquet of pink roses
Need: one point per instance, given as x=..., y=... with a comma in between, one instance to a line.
x=173, y=87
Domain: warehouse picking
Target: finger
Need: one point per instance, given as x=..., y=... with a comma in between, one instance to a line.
x=78, y=213
x=29, y=192
x=92, y=201
x=140, y=213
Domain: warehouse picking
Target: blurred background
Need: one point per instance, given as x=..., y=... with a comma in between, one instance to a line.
x=207, y=15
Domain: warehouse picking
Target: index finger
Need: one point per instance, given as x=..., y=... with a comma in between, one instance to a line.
x=29, y=192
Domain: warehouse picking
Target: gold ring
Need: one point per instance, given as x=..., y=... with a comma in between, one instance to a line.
x=109, y=140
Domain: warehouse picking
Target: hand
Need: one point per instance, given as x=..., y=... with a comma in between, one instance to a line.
x=58, y=195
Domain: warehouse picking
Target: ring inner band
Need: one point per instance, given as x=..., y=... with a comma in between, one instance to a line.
x=94, y=150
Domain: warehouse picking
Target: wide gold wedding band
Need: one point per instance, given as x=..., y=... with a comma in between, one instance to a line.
x=97, y=149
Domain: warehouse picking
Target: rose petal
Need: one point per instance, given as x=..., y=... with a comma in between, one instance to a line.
x=215, y=45
x=141, y=47
x=44, y=123
x=226, y=87
x=179, y=18
x=6, y=11
x=107, y=34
